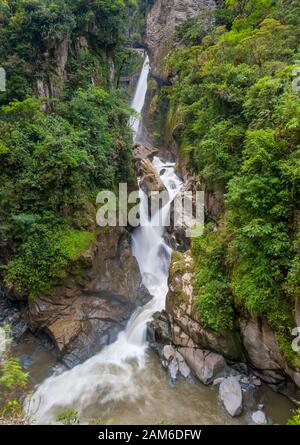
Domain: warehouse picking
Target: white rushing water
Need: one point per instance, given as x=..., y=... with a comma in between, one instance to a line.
x=111, y=375
x=139, y=97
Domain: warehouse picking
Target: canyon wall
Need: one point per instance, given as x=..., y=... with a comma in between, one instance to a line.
x=162, y=22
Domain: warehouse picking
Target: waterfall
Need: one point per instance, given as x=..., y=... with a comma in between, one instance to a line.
x=139, y=98
x=112, y=375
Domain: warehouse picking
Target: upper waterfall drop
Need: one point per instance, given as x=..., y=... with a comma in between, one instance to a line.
x=138, y=101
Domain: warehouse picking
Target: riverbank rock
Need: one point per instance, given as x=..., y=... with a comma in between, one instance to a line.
x=230, y=393
x=88, y=312
x=259, y=418
x=205, y=365
x=159, y=330
x=175, y=363
x=262, y=349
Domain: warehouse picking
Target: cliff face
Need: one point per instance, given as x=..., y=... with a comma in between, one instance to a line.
x=91, y=307
x=162, y=22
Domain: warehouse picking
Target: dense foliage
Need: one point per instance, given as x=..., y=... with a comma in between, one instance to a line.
x=34, y=35
x=295, y=420
x=57, y=152
x=241, y=112
x=13, y=379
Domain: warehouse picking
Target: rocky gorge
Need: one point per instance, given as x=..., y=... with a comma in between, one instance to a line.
x=100, y=317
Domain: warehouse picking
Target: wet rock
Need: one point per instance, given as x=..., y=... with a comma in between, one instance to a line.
x=175, y=363
x=205, y=365
x=81, y=325
x=168, y=353
x=150, y=178
x=245, y=380
x=158, y=330
x=88, y=312
x=141, y=152
x=252, y=396
x=182, y=366
x=218, y=381
x=180, y=237
x=231, y=395
x=259, y=418
x=262, y=350
x=12, y=313
x=173, y=369
x=257, y=382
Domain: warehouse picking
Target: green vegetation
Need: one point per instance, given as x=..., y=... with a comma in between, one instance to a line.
x=241, y=115
x=13, y=380
x=34, y=34
x=99, y=421
x=58, y=151
x=295, y=420
x=68, y=417
x=214, y=298
x=137, y=20
x=162, y=422
x=51, y=168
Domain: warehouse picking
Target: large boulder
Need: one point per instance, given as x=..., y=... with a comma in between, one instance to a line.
x=205, y=365
x=80, y=325
x=175, y=363
x=89, y=310
x=263, y=352
x=141, y=152
x=262, y=349
x=159, y=330
x=231, y=395
x=259, y=418
x=150, y=178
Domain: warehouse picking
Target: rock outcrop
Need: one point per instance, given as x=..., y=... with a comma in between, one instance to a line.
x=206, y=365
x=230, y=392
x=175, y=363
x=263, y=352
x=185, y=319
x=253, y=345
x=141, y=152
x=162, y=23
x=150, y=180
x=91, y=308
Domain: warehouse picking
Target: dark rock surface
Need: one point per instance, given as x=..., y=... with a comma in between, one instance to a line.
x=88, y=312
